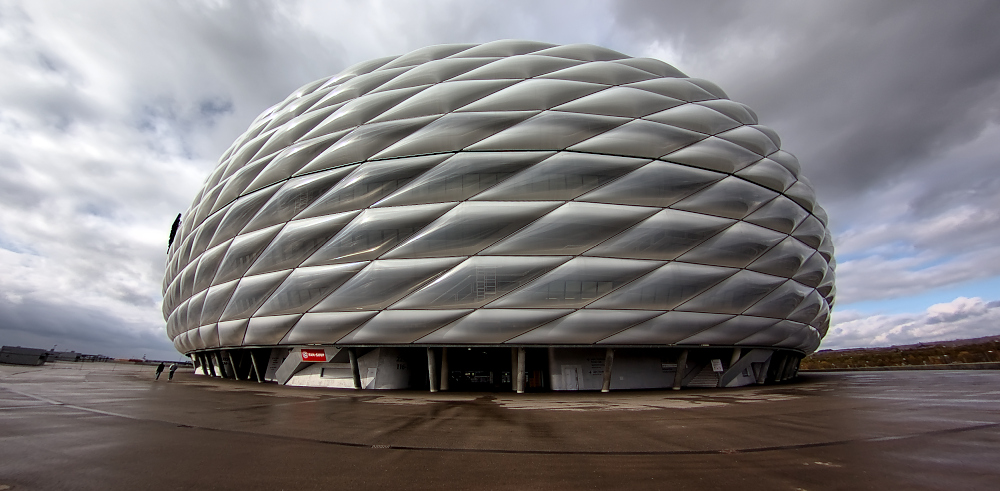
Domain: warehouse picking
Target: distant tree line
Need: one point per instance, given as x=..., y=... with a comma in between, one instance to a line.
x=976, y=351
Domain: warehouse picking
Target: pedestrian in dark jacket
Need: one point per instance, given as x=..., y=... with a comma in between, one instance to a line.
x=173, y=368
x=159, y=370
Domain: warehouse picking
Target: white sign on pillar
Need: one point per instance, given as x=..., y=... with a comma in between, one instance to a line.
x=717, y=365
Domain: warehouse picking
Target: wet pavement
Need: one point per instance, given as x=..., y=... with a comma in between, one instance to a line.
x=105, y=426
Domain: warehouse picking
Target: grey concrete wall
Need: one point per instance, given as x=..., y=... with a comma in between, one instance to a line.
x=630, y=370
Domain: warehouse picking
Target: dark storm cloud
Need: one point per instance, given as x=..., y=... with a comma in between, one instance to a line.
x=38, y=323
x=863, y=91
x=112, y=114
x=108, y=123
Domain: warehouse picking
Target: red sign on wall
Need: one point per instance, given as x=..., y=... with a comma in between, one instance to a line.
x=314, y=355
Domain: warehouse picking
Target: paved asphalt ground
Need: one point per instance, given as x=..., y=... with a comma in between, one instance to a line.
x=104, y=426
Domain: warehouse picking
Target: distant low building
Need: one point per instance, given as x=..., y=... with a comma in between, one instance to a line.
x=16, y=355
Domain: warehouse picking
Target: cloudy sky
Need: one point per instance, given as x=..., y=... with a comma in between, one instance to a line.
x=113, y=113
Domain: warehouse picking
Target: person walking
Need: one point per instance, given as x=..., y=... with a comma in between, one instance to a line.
x=173, y=368
x=159, y=370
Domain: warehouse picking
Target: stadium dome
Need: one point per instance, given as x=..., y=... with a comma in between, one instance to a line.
x=510, y=215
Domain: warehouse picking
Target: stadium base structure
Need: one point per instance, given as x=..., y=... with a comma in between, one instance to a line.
x=489, y=368
x=510, y=215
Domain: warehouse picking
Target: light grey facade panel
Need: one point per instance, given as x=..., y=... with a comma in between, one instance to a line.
x=734, y=110
x=577, y=283
x=243, y=252
x=443, y=98
x=666, y=329
x=584, y=327
x=601, y=72
x=518, y=68
x=208, y=336
x=695, y=117
x=401, y=326
x=734, y=294
x=655, y=184
x=771, y=336
x=504, y=48
x=563, y=176
x=373, y=232
x=478, y=281
x=251, y=293
x=714, y=154
x=534, y=95
x=299, y=240
x=675, y=88
x=463, y=176
x=665, y=288
x=810, y=231
x=512, y=193
x=653, y=66
x=325, y=327
x=491, y=326
x=813, y=271
x=731, y=197
x=215, y=303
x=750, y=138
x=730, y=332
x=208, y=267
x=370, y=183
x=435, y=72
x=780, y=214
x=550, y=130
x=305, y=287
x=193, y=310
x=640, y=138
x=383, y=282
x=361, y=143
x=624, y=102
x=769, y=174
x=471, y=227
x=785, y=259
x=231, y=333
x=780, y=303
x=571, y=229
x=736, y=247
x=288, y=162
x=453, y=132
x=582, y=52
x=268, y=331
x=666, y=235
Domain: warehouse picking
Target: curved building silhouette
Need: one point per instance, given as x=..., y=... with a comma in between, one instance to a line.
x=510, y=215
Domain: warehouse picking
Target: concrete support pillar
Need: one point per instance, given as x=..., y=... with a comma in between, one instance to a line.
x=211, y=363
x=682, y=361
x=256, y=368
x=779, y=374
x=609, y=359
x=221, y=365
x=444, y=369
x=355, y=371
x=736, y=356
x=232, y=365
x=513, y=369
x=790, y=368
x=519, y=381
x=202, y=361
x=432, y=370
x=762, y=375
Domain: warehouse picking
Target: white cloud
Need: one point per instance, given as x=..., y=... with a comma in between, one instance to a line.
x=960, y=318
